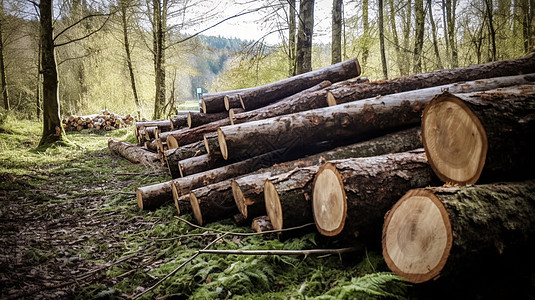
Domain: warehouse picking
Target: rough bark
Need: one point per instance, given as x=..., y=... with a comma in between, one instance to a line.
x=354, y=194
x=124, y=24
x=211, y=144
x=355, y=120
x=344, y=94
x=304, y=36
x=382, y=40
x=163, y=125
x=439, y=231
x=5, y=94
x=200, y=163
x=260, y=96
x=187, y=136
x=182, y=202
x=174, y=156
x=419, y=38
x=134, y=153
x=212, y=202
x=261, y=224
x=292, y=28
x=336, y=34
x=180, y=120
x=249, y=191
x=485, y=134
x=196, y=119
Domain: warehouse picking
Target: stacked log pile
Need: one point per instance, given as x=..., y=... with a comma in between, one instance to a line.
x=103, y=121
x=303, y=156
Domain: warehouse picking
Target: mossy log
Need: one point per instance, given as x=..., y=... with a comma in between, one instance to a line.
x=134, y=153
x=249, y=191
x=259, y=96
x=354, y=194
x=439, y=231
x=342, y=123
x=486, y=134
x=174, y=156
x=352, y=92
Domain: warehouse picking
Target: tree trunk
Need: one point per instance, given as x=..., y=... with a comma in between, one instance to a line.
x=260, y=96
x=174, y=156
x=52, y=128
x=492, y=31
x=180, y=120
x=451, y=6
x=128, y=56
x=134, y=153
x=433, y=231
x=249, y=191
x=350, y=93
x=5, y=94
x=192, y=135
x=486, y=134
x=304, y=37
x=211, y=144
x=434, y=35
x=336, y=35
x=354, y=194
x=342, y=123
x=382, y=40
x=200, y=163
x=213, y=202
x=291, y=38
x=393, y=27
x=304, y=100
x=159, y=39
x=182, y=202
x=419, y=38
x=196, y=119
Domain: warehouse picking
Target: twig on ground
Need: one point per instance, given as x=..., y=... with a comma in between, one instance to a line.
x=282, y=252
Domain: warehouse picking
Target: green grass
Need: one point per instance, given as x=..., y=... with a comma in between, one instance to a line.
x=76, y=191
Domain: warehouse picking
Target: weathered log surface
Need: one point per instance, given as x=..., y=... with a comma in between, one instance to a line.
x=213, y=202
x=263, y=95
x=134, y=153
x=211, y=143
x=434, y=231
x=354, y=194
x=196, y=119
x=486, y=134
x=261, y=224
x=370, y=117
x=191, y=135
x=180, y=120
x=200, y=163
x=174, y=156
x=343, y=94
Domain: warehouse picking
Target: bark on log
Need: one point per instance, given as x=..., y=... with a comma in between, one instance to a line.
x=196, y=119
x=174, y=156
x=263, y=95
x=488, y=134
x=311, y=98
x=433, y=231
x=354, y=194
x=343, y=94
x=212, y=202
x=200, y=163
x=249, y=191
x=134, y=153
x=163, y=125
x=261, y=224
x=211, y=143
x=354, y=120
x=179, y=121
x=182, y=202
x=191, y=135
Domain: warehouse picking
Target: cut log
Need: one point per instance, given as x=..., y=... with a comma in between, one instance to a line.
x=212, y=202
x=354, y=194
x=352, y=92
x=200, y=163
x=249, y=191
x=211, y=144
x=433, y=231
x=191, y=135
x=261, y=224
x=487, y=134
x=370, y=117
x=171, y=142
x=196, y=119
x=182, y=202
x=179, y=121
x=256, y=97
x=174, y=156
x=163, y=125
x=134, y=153
x=233, y=102
x=310, y=98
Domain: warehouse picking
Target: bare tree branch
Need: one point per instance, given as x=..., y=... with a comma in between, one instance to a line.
x=85, y=36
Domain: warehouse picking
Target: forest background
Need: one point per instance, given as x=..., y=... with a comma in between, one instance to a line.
x=123, y=55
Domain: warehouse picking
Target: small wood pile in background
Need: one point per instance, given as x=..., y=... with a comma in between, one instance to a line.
x=104, y=121
x=342, y=155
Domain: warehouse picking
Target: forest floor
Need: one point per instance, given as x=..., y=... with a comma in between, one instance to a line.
x=70, y=228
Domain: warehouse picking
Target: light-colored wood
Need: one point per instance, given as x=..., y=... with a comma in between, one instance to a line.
x=417, y=237
x=329, y=205
x=172, y=143
x=273, y=205
x=195, y=208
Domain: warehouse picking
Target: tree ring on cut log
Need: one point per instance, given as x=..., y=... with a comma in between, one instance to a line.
x=454, y=139
x=329, y=203
x=231, y=116
x=417, y=236
x=203, y=106
x=222, y=143
x=171, y=142
x=205, y=140
x=226, y=101
x=273, y=205
x=331, y=100
x=139, y=196
x=195, y=208
x=239, y=198
x=189, y=121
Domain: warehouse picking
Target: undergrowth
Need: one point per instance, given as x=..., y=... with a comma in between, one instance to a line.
x=133, y=249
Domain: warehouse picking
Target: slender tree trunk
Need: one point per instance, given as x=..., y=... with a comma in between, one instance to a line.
x=492, y=31
x=304, y=37
x=407, y=31
x=451, y=6
x=445, y=27
x=128, y=55
x=366, y=33
x=419, y=39
x=52, y=128
x=382, y=40
x=395, y=36
x=336, y=42
x=38, y=110
x=434, y=34
x=160, y=20
x=5, y=94
x=291, y=38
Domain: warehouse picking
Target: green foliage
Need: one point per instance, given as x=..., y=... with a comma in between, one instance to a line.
x=372, y=286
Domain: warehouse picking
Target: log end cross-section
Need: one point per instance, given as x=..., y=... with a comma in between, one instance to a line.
x=273, y=205
x=195, y=208
x=172, y=143
x=329, y=203
x=222, y=143
x=417, y=236
x=239, y=198
x=454, y=139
